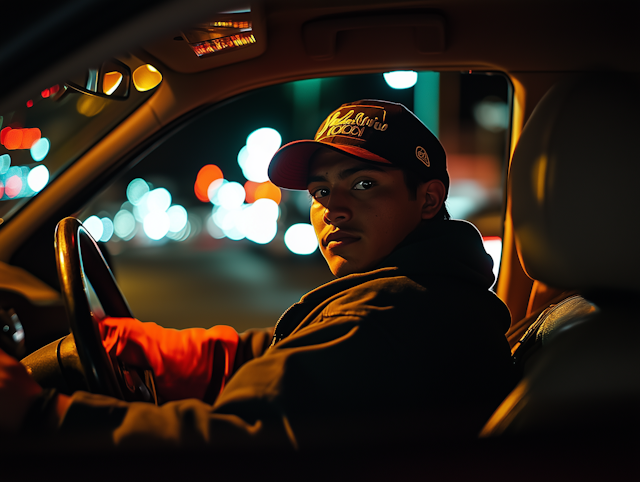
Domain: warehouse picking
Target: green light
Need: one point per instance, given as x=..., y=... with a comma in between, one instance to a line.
x=426, y=99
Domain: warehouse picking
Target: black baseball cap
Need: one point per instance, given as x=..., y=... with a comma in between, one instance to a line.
x=370, y=130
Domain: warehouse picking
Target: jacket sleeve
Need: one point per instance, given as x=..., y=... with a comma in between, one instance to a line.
x=253, y=411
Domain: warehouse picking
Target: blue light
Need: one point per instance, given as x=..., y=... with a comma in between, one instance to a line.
x=38, y=178
x=5, y=163
x=136, y=190
x=40, y=149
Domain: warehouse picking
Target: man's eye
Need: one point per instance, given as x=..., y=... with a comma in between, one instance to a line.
x=318, y=193
x=362, y=185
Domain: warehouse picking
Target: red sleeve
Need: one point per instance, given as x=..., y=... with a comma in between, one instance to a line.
x=192, y=363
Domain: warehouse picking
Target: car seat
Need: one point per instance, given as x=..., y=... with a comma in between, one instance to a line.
x=573, y=183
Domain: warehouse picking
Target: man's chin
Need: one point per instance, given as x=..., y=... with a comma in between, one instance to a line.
x=341, y=267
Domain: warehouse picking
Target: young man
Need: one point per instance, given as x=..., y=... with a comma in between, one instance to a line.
x=406, y=345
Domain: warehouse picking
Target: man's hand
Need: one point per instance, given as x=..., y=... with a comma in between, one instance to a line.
x=186, y=363
x=17, y=393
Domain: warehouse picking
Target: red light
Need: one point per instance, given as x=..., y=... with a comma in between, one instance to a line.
x=3, y=134
x=206, y=176
x=29, y=103
x=45, y=93
x=54, y=89
x=13, y=139
x=29, y=136
x=250, y=190
x=19, y=138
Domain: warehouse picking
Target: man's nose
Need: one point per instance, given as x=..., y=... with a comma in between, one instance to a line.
x=338, y=209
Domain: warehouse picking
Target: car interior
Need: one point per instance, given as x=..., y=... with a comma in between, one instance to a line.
x=151, y=88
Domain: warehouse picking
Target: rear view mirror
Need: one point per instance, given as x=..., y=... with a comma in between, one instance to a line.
x=110, y=81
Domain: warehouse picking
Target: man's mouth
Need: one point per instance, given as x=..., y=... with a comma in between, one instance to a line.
x=338, y=239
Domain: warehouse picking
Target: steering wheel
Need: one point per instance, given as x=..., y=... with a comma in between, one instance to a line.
x=82, y=267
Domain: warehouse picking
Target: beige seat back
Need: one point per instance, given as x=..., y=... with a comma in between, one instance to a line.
x=576, y=214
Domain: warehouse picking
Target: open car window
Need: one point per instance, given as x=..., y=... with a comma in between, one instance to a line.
x=198, y=222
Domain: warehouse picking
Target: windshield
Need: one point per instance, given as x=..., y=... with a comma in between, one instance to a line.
x=50, y=131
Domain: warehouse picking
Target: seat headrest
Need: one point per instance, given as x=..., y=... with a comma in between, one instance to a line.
x=574, y=186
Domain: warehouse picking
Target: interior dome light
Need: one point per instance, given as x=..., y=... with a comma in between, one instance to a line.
x=146, y=77
x=401, y=79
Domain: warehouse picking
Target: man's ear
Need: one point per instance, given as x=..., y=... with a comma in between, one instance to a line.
x=433, y=194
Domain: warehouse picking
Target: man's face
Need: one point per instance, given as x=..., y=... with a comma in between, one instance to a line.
x=360, y=211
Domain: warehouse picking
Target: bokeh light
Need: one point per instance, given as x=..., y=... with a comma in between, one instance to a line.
x=136, y=190
x=231, y=195
x=234, y=222
x=233, y=232
x=301, y=239
x=13, y=186
x=268, y=190
x=177, y=218
x=29, y=137
x=464, y=198
x=492, y=114
x=12, y=138
x=258, y=221
x=38, y=178
x=94, y=225
x=156, y=225
x=401, y=79
x=141, y=209
x=3, y=134
x=181, y=235
x=255, y=156
x=124, y=224
x=107, y=229
x=158, y=200
x=263, y=139
x=250, y=190
x=213, y=229
x=5, y=163
x=222, y=218
x=214, y=188
x=40, y=149
x=205, y=177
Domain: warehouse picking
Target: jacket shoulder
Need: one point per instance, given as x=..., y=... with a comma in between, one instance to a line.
x=383, y=294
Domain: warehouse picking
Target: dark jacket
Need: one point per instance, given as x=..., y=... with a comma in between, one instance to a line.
x=408, y=352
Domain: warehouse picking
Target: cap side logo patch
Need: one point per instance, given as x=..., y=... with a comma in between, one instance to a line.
x=422, y=155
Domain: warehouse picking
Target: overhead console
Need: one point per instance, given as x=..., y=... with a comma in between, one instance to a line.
x=225, y=38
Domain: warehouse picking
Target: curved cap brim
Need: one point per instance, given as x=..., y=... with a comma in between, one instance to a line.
x=289, y=167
